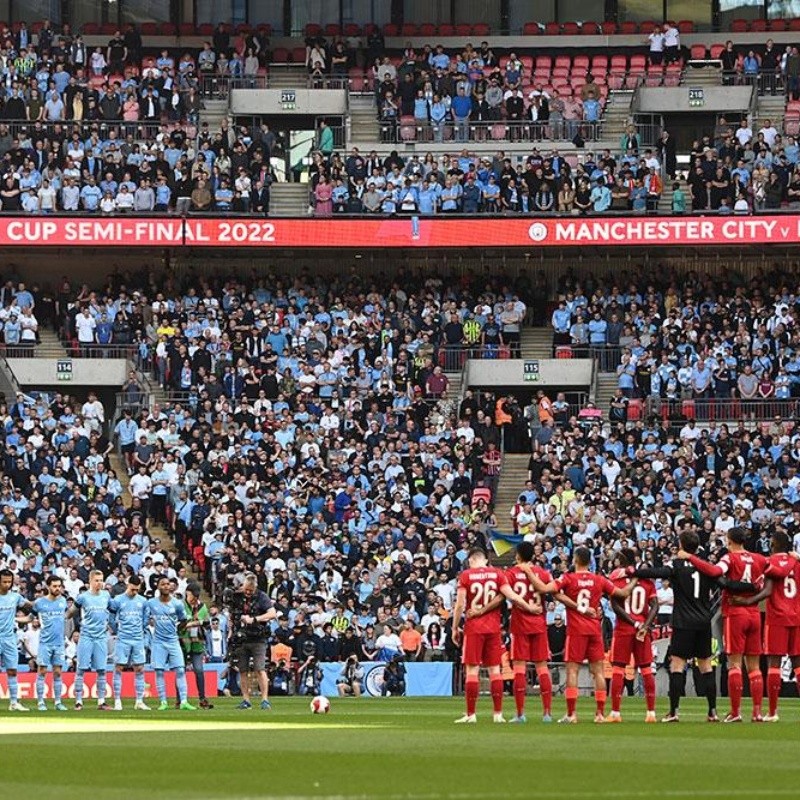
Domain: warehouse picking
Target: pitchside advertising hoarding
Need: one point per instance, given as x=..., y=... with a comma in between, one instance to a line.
x=423, y=232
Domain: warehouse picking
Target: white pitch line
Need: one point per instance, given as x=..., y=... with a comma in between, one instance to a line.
x=667, y=793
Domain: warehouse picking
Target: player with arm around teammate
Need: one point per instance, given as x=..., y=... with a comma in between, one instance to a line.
x=51, y=610
x=11, y=604
x=478, y=586
x=632, y=638
x=130, y=609
x=741, y=624
x=585, y=635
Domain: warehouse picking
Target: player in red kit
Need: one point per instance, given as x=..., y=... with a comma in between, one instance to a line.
x=742, y=624
x=632, y=636
x=584, y=632
x=782, y=620
x=478, y=587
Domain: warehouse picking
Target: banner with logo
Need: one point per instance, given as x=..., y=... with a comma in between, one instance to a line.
x=27, y=685
x=409, y=232
x=434, y=679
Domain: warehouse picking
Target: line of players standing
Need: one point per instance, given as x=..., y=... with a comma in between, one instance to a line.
x=746, y=579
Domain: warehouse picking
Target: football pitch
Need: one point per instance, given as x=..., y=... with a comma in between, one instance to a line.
x=395, y=749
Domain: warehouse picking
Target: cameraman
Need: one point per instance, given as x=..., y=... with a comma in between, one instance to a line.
x=394, y=678
x=309, y=677
x=250, y=610
x=350, y=681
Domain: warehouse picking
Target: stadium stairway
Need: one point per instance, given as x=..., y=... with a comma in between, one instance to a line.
x=513, y=475
x=536, y=342
x=773, y=108
x=288, y=200
x=213, y=112
x=50, y=345
x=702, y=76
x=604, y=389
x=665, y=202
x=617, y=116
x=364, y=128
x=288, y=76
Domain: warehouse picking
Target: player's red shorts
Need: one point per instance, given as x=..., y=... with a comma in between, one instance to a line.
x=584, y=647
x=742, y=635
x=625, y=644
x=482, y=649
x=529, y=647
x=780, y=640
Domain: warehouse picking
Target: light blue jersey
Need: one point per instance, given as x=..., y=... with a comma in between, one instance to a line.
x=51, y=613
x=9, y=604
x=131, y=616
x=94, y=614
x=167, y=617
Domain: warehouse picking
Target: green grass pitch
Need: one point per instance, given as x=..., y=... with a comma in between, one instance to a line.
x=395, y=749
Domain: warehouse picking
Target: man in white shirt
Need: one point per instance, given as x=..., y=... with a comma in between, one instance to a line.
x=656, y=40
x=84, y=325
x=769, y=132
x=93, y=413
x=743, y=133
x=672, y=43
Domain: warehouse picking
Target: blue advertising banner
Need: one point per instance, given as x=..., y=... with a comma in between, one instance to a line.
x=422, y=680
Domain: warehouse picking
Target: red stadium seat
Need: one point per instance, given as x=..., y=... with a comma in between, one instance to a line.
x=91, y=29
x=544, y=63
x=280, y=55
x=590, y=29
x=167, y=29
x=186, y=29
x=206, y=29
x=332, y=29
x=628, y=28
x=265, y=29
x=109, y=29
x=697, y=52
x=609, y=28
x=758, y=25
x=794, y=24
x=672, y=76
x=447, y=30
x=619, y=63
x=655, y=75
x=409, y=29
x=464, y=29
x=638, y=63
x=355, y=76
x=498, y=131
x=563, y=62
x=298, y=55
x=599, y=65
x=427, y=29
x=647, y=27
x=531, y=29
x=564, y=351
x=570, y=29
x=369, y=28
x=481, y=29
x=580, y=62
x=739, y=26
x=778, y=25
x=244, y=28
x=390, y=29
x=149, y=29
x=686, y=26
x=552, y=29
x=716, y=50
x=312, y=29
x=351, y=29
x=634, y=409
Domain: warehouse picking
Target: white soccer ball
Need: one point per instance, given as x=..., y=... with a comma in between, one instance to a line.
x=320, y=705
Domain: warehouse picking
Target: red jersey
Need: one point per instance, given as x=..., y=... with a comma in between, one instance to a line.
x=637, y=603
x=586, y=589
x=521, y=621
x=482, y=587
x=783, y=608
x=741, y=566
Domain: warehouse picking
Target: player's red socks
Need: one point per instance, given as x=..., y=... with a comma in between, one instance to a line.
x=520, y=688
x=546, y=688
x=774, y=681
x=471, y=693
x=600, y=697
x=571, y=695
x=756, y=690
x=617, y=684
x=649, y=681
x=735, y=688
x=496, y=684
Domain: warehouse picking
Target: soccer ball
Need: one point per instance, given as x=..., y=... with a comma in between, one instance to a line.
x=320, y=705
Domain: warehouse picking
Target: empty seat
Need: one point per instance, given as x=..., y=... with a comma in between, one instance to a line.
x=580, y=62
x=390, y=29
x=167, y=29
x=312, y=29
x=570, y=29
x=447, y=30
x=244, y=28
x=351, y=29
x=619, y=63
x=481, y=29
x=758, y=25
x=280, y=55
x=563, y=62
x=697, y=52
x=686, y=26
x=408, y=29
x=531, y=29
x=564, y=351
x=464, y=29
x=298, y=55
x=332, y=29
x=206, y=29
x=647, y=27
x=265, y=29
x=716, y=50
x=739, y=25
x=427, y=29
x=355, y=76
x=590, y=29
x=498, y=131
x=638, y=63
x=609, y=28
x=794, y=24
x=552, y=29
x=151, y=29
x=655, y=75
x=186, y=29
x=628, y=28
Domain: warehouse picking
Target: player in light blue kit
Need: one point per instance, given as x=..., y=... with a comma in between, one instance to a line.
x=168, y=615
x=51, y=610
x=93, y=644
x=10, y=603
x=130, y=609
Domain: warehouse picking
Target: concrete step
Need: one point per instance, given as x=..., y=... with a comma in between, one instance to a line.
x=289, y=199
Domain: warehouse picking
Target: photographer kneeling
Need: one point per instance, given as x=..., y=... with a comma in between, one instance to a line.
x=250, y=610
x=394, y=678
x=351, y=679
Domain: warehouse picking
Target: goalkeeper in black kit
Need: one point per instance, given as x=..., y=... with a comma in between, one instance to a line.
x=693, y=609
